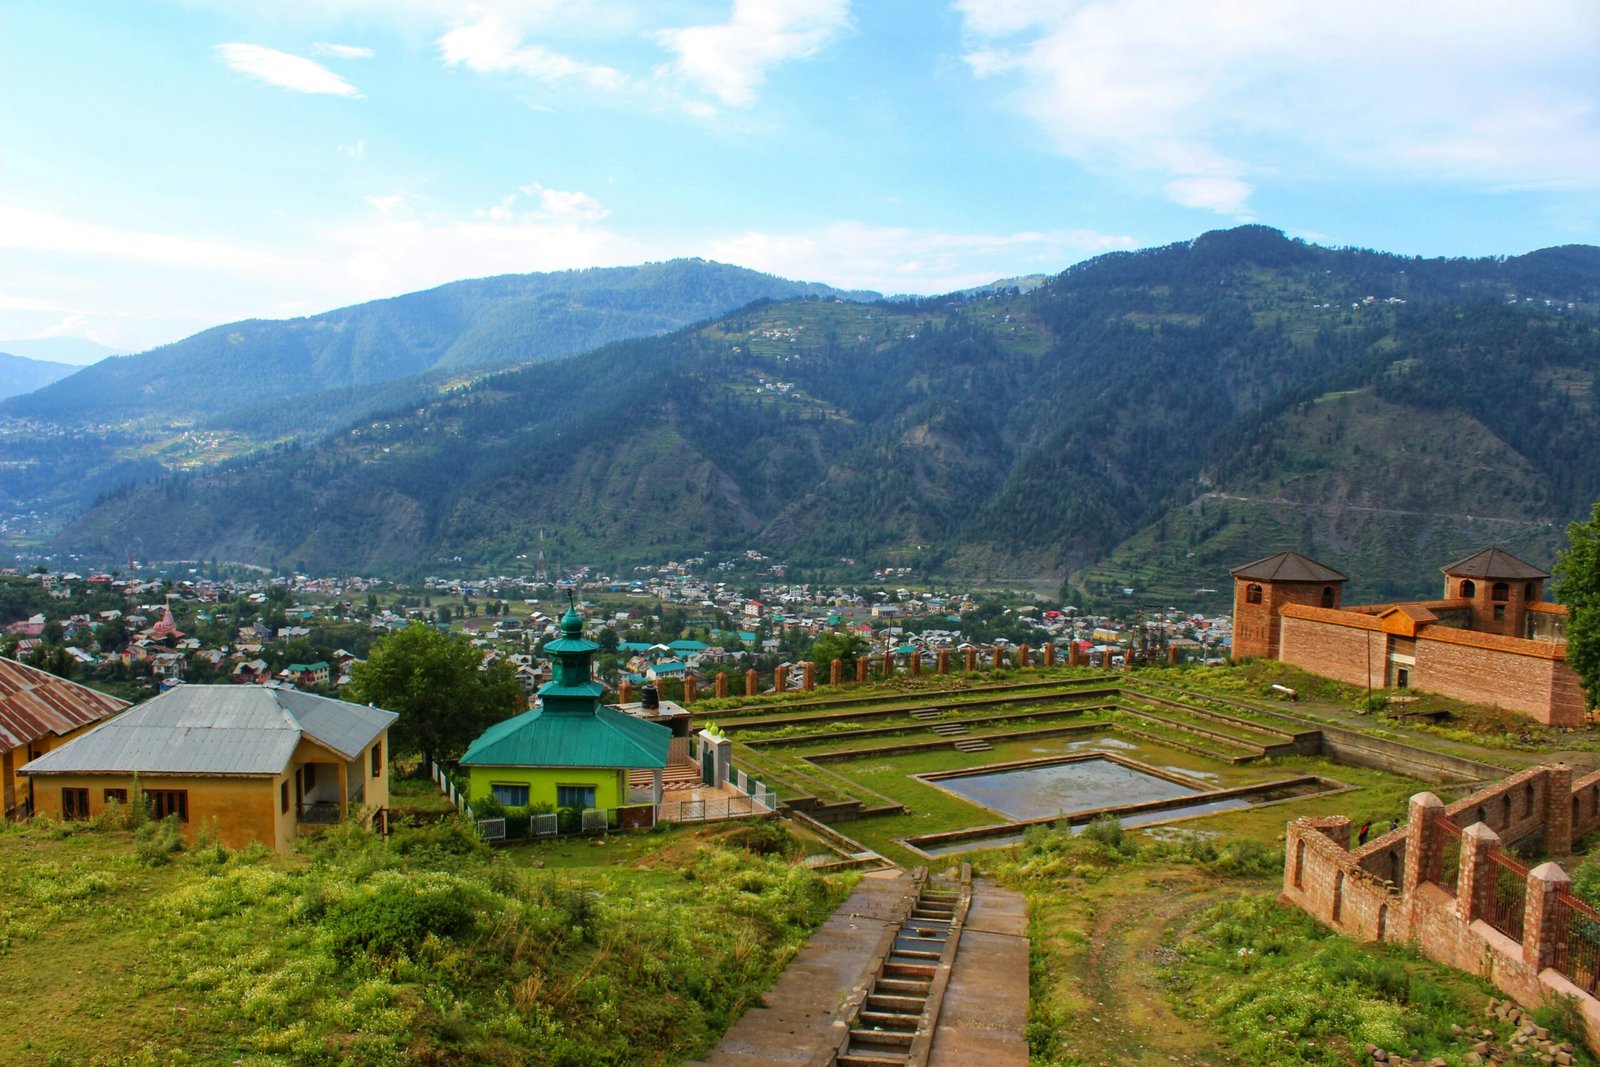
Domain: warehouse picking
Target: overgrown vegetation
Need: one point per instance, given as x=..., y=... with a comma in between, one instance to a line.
x=427, y=948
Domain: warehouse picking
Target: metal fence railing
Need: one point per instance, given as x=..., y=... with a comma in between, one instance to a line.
x=1447, y=859
x=715, y=808
x=1508, y=894
x=1575, y=935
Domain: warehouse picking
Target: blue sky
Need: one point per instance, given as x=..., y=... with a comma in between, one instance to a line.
x=165, y=167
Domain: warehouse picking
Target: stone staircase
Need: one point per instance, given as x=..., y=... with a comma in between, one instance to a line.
x=974, y=744
x=894, y=1025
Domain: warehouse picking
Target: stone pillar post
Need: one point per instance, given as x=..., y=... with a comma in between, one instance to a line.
x=689, y=687
x=808, y=679
x=944, y=661
x=1074, y=655
x=972, y=659
x=751, y=685
x=656, y=787
x=1475, y=886
x=916, y=663
x=1421, y=841
x=1050, y=654
x=863, y=665
x=722, y=686
x=1023, y=653
x=1172, y=654
x=835, y=671
x=888, y=664
x=780, y=678
x=999, y=657
x=1558, y=810
x=625, y=692
x=1541, y=939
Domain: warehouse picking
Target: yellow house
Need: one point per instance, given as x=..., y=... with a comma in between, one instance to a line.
x=38, y=712
x=250, y=763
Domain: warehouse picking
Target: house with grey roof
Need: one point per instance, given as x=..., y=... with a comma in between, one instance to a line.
x=248, y=763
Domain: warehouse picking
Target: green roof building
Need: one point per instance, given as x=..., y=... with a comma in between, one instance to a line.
x=571, y=751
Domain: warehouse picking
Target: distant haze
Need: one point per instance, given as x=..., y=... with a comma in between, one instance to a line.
x=75, y=350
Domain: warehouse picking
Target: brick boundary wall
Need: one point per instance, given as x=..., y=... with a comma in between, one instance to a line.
x=1354, y=893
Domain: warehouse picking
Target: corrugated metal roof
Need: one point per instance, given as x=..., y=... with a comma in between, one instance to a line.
x=607, y=738
x=35, y=704
x=1288, y=567
x=216, y=729
x=1492, y=563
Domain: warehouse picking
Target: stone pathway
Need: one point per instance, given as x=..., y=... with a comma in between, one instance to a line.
x=985, y=1011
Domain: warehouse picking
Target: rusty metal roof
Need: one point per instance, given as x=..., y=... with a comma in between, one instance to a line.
x=35, y=704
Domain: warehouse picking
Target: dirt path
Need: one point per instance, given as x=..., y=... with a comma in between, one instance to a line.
x=1129, y=1021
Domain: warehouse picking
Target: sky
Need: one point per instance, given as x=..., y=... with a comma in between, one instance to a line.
x=170, y=166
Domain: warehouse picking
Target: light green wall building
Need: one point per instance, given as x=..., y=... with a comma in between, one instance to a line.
x=572, y=751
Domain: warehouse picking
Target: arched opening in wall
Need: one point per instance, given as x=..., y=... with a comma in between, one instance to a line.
x=1527, y=795
x=1383, y=920
x=1481, y=817
x=1468, y=590
x=1529, y=592
x=1299, y=862
x=1338, y=895
x=1574, y=811
x=1505, y=815
x=1252, y=593
x=1394, y=866
x=1499, y=591
x=1327, y=596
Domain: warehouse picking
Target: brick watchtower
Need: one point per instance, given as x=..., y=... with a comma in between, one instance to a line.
x=1262, y=588
x=1499, y=587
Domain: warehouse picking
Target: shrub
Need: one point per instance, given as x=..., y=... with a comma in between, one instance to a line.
x=394, y=913
x=156, y=842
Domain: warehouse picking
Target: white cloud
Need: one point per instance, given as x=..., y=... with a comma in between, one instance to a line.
x=354, y=151
x=285, y=71
x=854, y=255
x=1215, y=97
x=342, y=51
x=43, y=232
x=495, y=44
x=731, y=59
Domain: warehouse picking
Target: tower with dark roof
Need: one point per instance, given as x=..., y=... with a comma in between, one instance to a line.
x=1498, y=586
x=1261, y=589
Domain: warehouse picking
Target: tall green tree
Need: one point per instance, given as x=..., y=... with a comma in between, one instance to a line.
x=1577, y=586
x=438, y=685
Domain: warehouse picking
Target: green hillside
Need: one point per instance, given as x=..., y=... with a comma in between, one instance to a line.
x=1254, y=391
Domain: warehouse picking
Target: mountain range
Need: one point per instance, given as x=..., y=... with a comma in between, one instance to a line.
x=21, y=374
x=1141, y=421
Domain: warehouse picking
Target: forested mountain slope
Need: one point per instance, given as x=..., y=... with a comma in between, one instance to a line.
x=1007, y=433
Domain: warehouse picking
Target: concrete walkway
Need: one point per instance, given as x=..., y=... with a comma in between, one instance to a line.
x=985, y=1011
x=797, y=1020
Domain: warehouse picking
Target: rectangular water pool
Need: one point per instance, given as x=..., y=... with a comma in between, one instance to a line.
x=1077, y=785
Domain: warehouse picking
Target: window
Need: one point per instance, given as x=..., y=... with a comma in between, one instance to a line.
x=1499, y=591
x=1500, y=611
x=164, y=802
x=74, y=803
x=377, y=758
x=118, y=795
x=1327, y=596
x=510, y=795
x=1469, y=589
x=283, y=797
x=1529, y=592
x=1252, y=593
x=574, y=796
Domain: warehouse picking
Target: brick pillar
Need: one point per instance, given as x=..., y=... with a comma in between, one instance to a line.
x=1172, y=654
x=972, y=659
x=1541, y=939
x=999, y=657
x=722, y=686
x=808, y=677
x=1050, y=654
x=1558, y=810
x=1023, y=655
x=1475, y=887
x=780, y=678
x=944, y=661
x=888, y=664
x=835, y=672
x=750, y=683
x=862, y=666
x=625, y=692
x=689, y=687
x=916, y=663
x=1421, y=840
